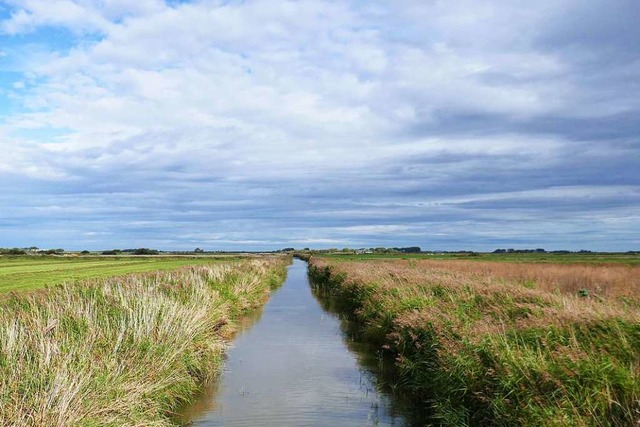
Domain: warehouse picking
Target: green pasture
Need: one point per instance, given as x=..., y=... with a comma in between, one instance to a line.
x=29, y=272
x=559, y=258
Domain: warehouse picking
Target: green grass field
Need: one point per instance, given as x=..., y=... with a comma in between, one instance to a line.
x=30, y=272
x=571, y=258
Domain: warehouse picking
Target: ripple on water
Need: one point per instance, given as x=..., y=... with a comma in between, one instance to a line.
x=292, y=367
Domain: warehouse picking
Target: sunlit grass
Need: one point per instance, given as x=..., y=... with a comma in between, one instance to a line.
x=30, y=272
x=121, y=351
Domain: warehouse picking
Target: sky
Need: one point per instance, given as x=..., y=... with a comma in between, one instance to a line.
x=263, y=124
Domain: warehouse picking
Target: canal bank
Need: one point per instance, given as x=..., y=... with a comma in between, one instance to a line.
x=294, y=364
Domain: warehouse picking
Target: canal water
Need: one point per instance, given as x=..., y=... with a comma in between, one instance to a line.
x=294, y=365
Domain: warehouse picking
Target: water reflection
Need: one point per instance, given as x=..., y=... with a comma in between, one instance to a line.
x=377, y=367
x=296, y=366
x=206, y=400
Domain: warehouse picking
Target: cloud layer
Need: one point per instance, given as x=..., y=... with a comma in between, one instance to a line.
x=268, y=123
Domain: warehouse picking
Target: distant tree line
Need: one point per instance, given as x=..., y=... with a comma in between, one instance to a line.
x=465, y=253
x=378, y=250
x=138, y=251
x=30, y=250
x=12, y=251
x=520, y=251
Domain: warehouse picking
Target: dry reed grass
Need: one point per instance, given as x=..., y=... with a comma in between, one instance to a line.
x=607, y=280
x=121, y=351
x=495, y=294
x=501, y=344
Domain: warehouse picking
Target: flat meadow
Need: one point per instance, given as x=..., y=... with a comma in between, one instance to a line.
x=489, y=342
x=31, y=272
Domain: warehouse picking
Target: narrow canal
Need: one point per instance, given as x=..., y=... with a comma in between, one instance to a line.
x=293, y=365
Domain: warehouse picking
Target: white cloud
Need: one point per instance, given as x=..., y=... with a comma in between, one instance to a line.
x=65, y=13
x=222, y=98
x=79, y=16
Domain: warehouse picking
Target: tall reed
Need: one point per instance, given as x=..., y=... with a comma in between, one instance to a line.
x=121, y=351
x=484, y=348
x=606, y=280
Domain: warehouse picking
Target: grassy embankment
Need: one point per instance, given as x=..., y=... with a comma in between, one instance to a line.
x=122, y=351
x=488, y=343
x=30, y=272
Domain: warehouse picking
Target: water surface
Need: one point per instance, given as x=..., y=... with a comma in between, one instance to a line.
x=292, y=365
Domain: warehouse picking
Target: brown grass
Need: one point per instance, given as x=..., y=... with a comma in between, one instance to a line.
x=548, y=293
x=607, y=280
x=498, y=343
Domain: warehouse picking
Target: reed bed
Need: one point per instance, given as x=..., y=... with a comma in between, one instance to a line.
x=121, y=351
x=606, y=280
x=499, y=344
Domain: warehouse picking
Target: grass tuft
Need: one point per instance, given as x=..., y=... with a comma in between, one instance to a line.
x=121, y=351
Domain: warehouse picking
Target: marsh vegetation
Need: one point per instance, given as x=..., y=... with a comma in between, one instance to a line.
x=475, y=341
x=122, y=351
x=487, y=343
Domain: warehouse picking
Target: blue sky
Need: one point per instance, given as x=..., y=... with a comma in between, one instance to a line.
x=264, y=124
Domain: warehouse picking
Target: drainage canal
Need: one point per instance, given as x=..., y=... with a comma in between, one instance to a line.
x=292, y=364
